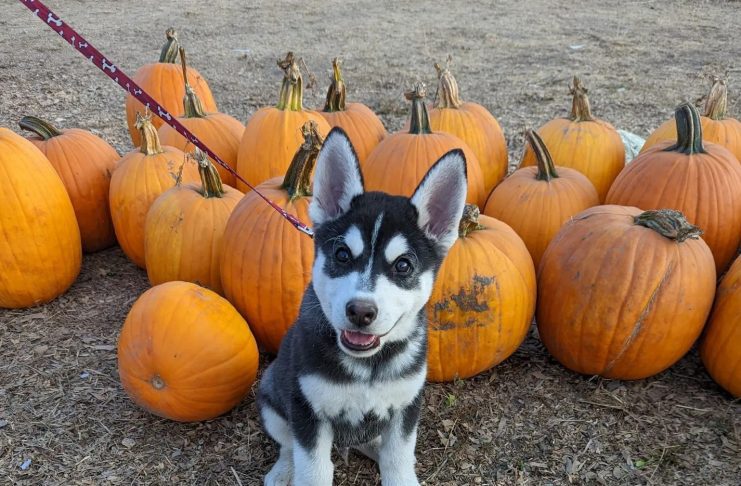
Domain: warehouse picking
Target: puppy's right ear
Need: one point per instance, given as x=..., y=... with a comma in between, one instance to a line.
x=337, y=178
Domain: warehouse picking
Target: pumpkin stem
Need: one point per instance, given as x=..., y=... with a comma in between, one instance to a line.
x=292, y=90
x=669, y=223
x=546, y=167
x=336, y=92
x=297, y=181
x=469, y=220
x=169, y=53
x=447, y=87
x=689, y=131
x=580, y=110
x=191, y=102
x=420, y=121
x=717, y=102
x=148, y=133
x=40, y=127
x=210, y=181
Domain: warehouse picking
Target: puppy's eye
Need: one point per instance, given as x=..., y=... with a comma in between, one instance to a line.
x=342, y=255
x=403, y=266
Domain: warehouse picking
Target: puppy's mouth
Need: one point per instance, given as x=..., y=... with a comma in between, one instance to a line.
x=359, y=341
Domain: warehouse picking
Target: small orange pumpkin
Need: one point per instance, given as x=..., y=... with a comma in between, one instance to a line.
x=85, y=163
x=141, y=177
x=273, y=134
x=362, y=126
x=483, y=300
x=583, y=142
x=399, y=162
x=721, y=346
x=623, y=293
x=184, y=229
x=219, y=131
x=163, y=80
x=266, y=266
x=537, y=201
x=40, y=250
x=185, y=353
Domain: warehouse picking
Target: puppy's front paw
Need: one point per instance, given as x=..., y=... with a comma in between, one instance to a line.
x=280, y=475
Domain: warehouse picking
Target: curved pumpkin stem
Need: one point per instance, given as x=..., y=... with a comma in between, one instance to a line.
x=148, y=133
x=210, y=181
x=546, y=167
x=717, y=102
x=447, y=87
x=297, y=181
x=580, y=109
x=40, y=127
x=469, y=220
x=191, y=103
x=292, y=90
x=689, y=131
x=336, y=92
x=420, y=121
x=169, y=53
x=669, y=223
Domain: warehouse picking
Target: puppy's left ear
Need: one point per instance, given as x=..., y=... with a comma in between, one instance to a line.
x=440, y=198
x=337, y=178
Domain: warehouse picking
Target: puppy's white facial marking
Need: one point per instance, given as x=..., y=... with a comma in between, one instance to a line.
x=396, y=247
x=354, y=241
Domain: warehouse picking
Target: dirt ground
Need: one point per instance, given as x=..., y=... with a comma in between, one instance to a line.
x=64, y=418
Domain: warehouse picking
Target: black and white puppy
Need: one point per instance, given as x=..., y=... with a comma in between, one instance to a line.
x=350, y=371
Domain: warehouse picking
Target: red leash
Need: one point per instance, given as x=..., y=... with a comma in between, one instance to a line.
x=114, y=72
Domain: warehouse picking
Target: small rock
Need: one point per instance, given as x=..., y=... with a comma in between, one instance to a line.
x=26, y=464
x=84, y=375
x=128, y=443
x=3, y=423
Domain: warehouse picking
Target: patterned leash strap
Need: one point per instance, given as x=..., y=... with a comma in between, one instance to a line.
x=116, y=74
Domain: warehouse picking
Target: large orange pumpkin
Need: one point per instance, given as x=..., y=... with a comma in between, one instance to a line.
x=362, y=126
x=703, y=181
x=721, y=346
x=583, y=142
x=473, y=124
x=185, y=353
x=163, y=80
x=140, y=177
x=40, y=250
x=716, y=128
x=399, y=162
x=273, y=134
x=483, y=300
x=537, y=201
x=85, y=163
x=219, y=131
x=266, y=265
x=184, y=229
x=623, y=293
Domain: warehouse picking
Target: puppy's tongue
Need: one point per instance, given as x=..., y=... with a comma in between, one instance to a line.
x=358, y=338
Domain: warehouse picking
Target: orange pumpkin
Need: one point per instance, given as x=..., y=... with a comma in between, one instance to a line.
x=623, y=293
x=537, y=201
x=141, y=177
x=266, y=266
x=483, y=300
x=273, y=134
x=583, y=142
x=399, y=162
x=163, y=80
x=362, y=126
x=85, y=163
x=473, y=124
x=184, y=229
x=716, y=128
x=185, y=353
x=703, y=181
x=219, y=131
x=40, y=250
x=721, y=346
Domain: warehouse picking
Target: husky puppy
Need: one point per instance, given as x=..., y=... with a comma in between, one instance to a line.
x=350, y=371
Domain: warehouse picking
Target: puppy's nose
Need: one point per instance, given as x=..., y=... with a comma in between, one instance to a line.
x=361, y=313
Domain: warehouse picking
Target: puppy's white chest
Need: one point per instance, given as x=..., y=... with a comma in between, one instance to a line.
x=354, y=401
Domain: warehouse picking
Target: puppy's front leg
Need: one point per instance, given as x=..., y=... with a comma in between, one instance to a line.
x=312, y=455
x=396, y=455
